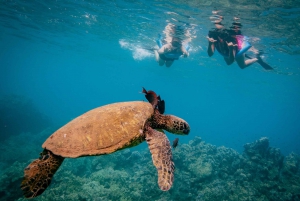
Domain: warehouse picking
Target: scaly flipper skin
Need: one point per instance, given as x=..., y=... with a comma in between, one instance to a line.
x=160, y=149
x=38, y=174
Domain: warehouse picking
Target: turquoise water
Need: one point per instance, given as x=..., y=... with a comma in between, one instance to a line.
x=69, y=56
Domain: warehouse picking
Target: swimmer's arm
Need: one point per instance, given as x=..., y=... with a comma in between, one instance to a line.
x=161, y=50
x=211, y=46
x=184, y=52
x=164, y=49
x=231, y=52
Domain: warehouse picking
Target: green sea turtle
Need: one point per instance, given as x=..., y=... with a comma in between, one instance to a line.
x=105, y=130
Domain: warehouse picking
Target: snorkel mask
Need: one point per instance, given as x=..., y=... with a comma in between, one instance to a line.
x=176, y=42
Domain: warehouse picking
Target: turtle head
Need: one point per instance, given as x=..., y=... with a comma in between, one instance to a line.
x=176, y=125
x=169, y=123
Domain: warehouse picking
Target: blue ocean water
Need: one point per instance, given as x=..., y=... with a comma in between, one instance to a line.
x=71, y=56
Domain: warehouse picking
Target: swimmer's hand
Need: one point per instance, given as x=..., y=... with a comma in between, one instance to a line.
x=211, y=40
x=185, y=54
x=231, y=45
x=168, y=50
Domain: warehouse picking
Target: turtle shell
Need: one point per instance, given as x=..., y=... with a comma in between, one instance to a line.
x=102, y=130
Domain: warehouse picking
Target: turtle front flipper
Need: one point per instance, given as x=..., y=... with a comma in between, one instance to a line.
x=38, y=174
x=160, y=149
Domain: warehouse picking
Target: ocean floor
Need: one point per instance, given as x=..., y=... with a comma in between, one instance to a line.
x=203, y=172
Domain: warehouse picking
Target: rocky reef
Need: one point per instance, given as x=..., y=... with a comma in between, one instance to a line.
x=19, y=114
x=203, y=172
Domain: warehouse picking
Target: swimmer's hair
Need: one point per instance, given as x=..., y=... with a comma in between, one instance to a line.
x=237, y=24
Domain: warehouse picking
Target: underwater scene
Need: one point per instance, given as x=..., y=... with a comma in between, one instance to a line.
x=150, y=100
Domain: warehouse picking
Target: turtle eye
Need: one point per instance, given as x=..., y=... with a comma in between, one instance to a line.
x=185, y=128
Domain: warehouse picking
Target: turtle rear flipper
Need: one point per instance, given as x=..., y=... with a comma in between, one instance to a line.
x=160, y=149
x=38, y=174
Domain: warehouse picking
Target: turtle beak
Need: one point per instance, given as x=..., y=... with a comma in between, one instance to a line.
x=177, y=125
x=186, y=129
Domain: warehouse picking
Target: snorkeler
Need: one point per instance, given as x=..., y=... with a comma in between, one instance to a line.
x=173, y=45
x=232, y=45
x=169, y=52
x=220, y=40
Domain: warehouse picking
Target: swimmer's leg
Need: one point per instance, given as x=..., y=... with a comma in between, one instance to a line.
x=261, y=62
x=160, y=61
x=169, y=63
x=228, y=61
x=244, y=63
x=156, y=55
